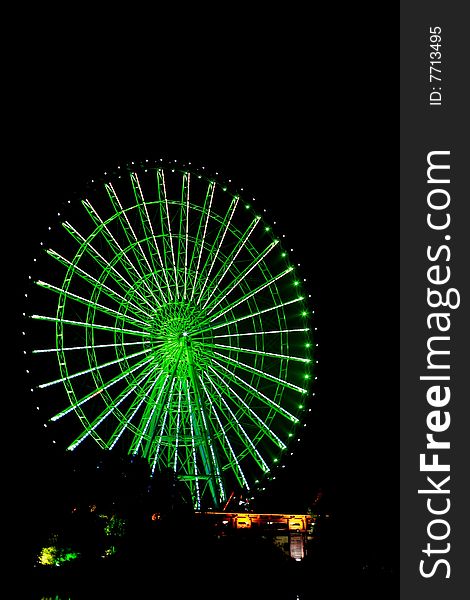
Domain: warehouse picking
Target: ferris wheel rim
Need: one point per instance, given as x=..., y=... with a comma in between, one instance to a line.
x=226, y=364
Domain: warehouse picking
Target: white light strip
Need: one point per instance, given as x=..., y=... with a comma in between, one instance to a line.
x=243, y=275
x=260, y=332
x=89, y=303
x=162, y=176
x=95, y=281
x=280, y=443
x=97, y=368
x=219, y=478
x=124, y=426
x=261, y=353
x=175, y=466
x=196, y=472
x=147, y=424
x=242, y=244
x=162, y=427
x=92, y=325
x=234, y=203
x=260, y=394
x=140, y=276
x=210, y=190
x=74, y=233
x=245, y=298
x=224, y=434
x=62, y=349
x=143, y=203
x=252, y=446
x=98, y=391
x=187, y=233
x=260, y=312
x=105, y=414
x=262, y=373
x=151, y=271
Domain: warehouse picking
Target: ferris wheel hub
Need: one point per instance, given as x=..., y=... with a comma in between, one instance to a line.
x=173, y=330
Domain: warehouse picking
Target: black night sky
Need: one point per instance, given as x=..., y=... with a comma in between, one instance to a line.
x=318, y=157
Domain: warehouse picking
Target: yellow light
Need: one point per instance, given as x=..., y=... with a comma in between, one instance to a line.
x=47, y=555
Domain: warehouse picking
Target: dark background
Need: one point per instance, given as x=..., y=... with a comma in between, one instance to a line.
x=301, y=115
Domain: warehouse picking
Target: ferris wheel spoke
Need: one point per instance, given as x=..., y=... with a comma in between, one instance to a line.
x=163, y=196
x=100, y=390
x=236, y=467
x=97, y=368
x=249, y=316
x=249, y=412
x=193, y=447
x=139, y=399
x=95, y=305
x=263, y=333
x=256, y=371
x=184, y=228
x=247, y=386
x=148, y=417
x=240, y=277
x=87, y=248
x=148, y=227
x=109, y=410
x=157, y=440
x=242, y=434
x=205, y=446
x=173, y=379
x=177, y=429
x=90, y=325
x=131, y=235
x=246, y=297
x=97, y=284
x=229, y=261
x=207, y=452
x=88, y=347
x=222, y=232
x=208, y=199
x=260, y=353
x=114, y=245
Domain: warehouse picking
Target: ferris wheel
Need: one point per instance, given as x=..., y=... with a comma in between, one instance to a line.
x=173, y=317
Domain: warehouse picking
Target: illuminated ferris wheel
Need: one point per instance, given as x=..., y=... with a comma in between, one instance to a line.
x=174, y=319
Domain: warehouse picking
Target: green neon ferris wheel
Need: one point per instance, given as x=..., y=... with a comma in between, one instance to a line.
x=180, y=327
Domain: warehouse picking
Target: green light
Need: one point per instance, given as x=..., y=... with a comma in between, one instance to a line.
x=301, y=405
x=162, y=273
x=55, y=556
